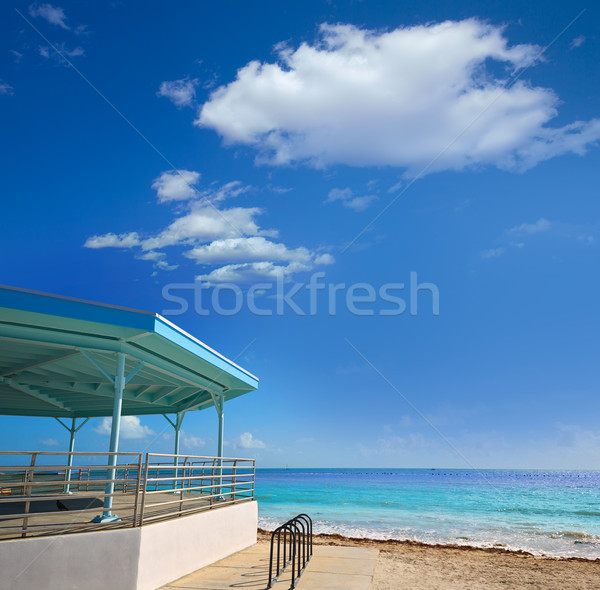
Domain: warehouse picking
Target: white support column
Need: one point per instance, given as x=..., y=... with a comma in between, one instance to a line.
x=119, y=382
x=73, y=429
x=177, y=427
x=178, y=422
x=221, y=412
x=219, y=401
x=70, y=459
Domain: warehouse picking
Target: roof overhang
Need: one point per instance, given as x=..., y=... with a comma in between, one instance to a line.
x=57, y=356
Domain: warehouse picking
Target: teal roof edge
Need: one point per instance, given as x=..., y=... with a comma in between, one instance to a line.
x=91, y=311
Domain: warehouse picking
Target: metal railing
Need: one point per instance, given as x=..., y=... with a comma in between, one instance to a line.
x=295, y=548
x=42, y=494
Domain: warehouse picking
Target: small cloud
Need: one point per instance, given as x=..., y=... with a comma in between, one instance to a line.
x=159, y=260
x=396, y=187
x=493, y=253
x=60, y=51
x=180, y=92
x=190, y=441
x=111, y=240
x=339, y=194
x=324, y=259
x=528, y=229
x=131, y=428
x=577, y=42
x=6, y=89
x=17, y=55
x=348, y=200
x=247, y=441
x=50, y=442
x=55, y=15
x=176, y=185
x=280, y=190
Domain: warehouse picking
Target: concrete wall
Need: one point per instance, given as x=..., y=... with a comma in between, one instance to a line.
x=175, y=548
x=94, y=561
x=127, y=559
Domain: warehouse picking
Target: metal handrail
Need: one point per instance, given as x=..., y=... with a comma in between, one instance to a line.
x=300, y=546
x=144, y=488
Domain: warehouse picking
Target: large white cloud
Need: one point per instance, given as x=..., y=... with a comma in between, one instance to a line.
x=412, y=97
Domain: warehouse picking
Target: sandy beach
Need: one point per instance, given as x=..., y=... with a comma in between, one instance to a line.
x=403, y=565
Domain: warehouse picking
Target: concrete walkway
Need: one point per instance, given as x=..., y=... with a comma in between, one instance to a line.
x=331, y=568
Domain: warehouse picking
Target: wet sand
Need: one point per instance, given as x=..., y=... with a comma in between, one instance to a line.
x=404, y=564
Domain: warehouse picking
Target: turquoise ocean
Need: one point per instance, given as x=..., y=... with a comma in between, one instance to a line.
x=554, y=513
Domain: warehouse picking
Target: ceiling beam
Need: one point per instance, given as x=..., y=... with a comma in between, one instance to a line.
x=55, y=359
x=34, y=393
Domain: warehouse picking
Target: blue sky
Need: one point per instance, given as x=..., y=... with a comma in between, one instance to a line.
x=256, y=144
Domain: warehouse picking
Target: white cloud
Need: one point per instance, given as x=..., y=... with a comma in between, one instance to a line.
x=190, y=441
x=207, y=223
x=396, y=187
x=131, y=428
x=324, y=259
x=577, y=42
x=227, y=191
x=180, y=92
x=6, y=88
x=247, y=441
x=176, y=185
x=254, y=272
x=61, y=50
x=158, y=258
x=243, y=250
x=50, y=442
x=111, y=240
x=527, y=229
x=212, y=235
x=408, y=97
x=349, y=200
x=55, y=15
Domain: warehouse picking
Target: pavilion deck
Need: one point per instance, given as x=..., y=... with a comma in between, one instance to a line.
x=41, y=500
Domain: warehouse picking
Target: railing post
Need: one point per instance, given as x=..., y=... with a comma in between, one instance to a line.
x=28, y=479
x=138, y=483
x=145, y=484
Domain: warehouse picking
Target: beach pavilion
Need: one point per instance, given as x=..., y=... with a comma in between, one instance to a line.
x=72, y=360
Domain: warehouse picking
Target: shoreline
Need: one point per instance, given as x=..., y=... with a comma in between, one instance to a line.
x=383, y=544
x=412, y=565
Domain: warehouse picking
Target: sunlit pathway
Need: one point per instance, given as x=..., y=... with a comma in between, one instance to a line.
x=331, y=568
